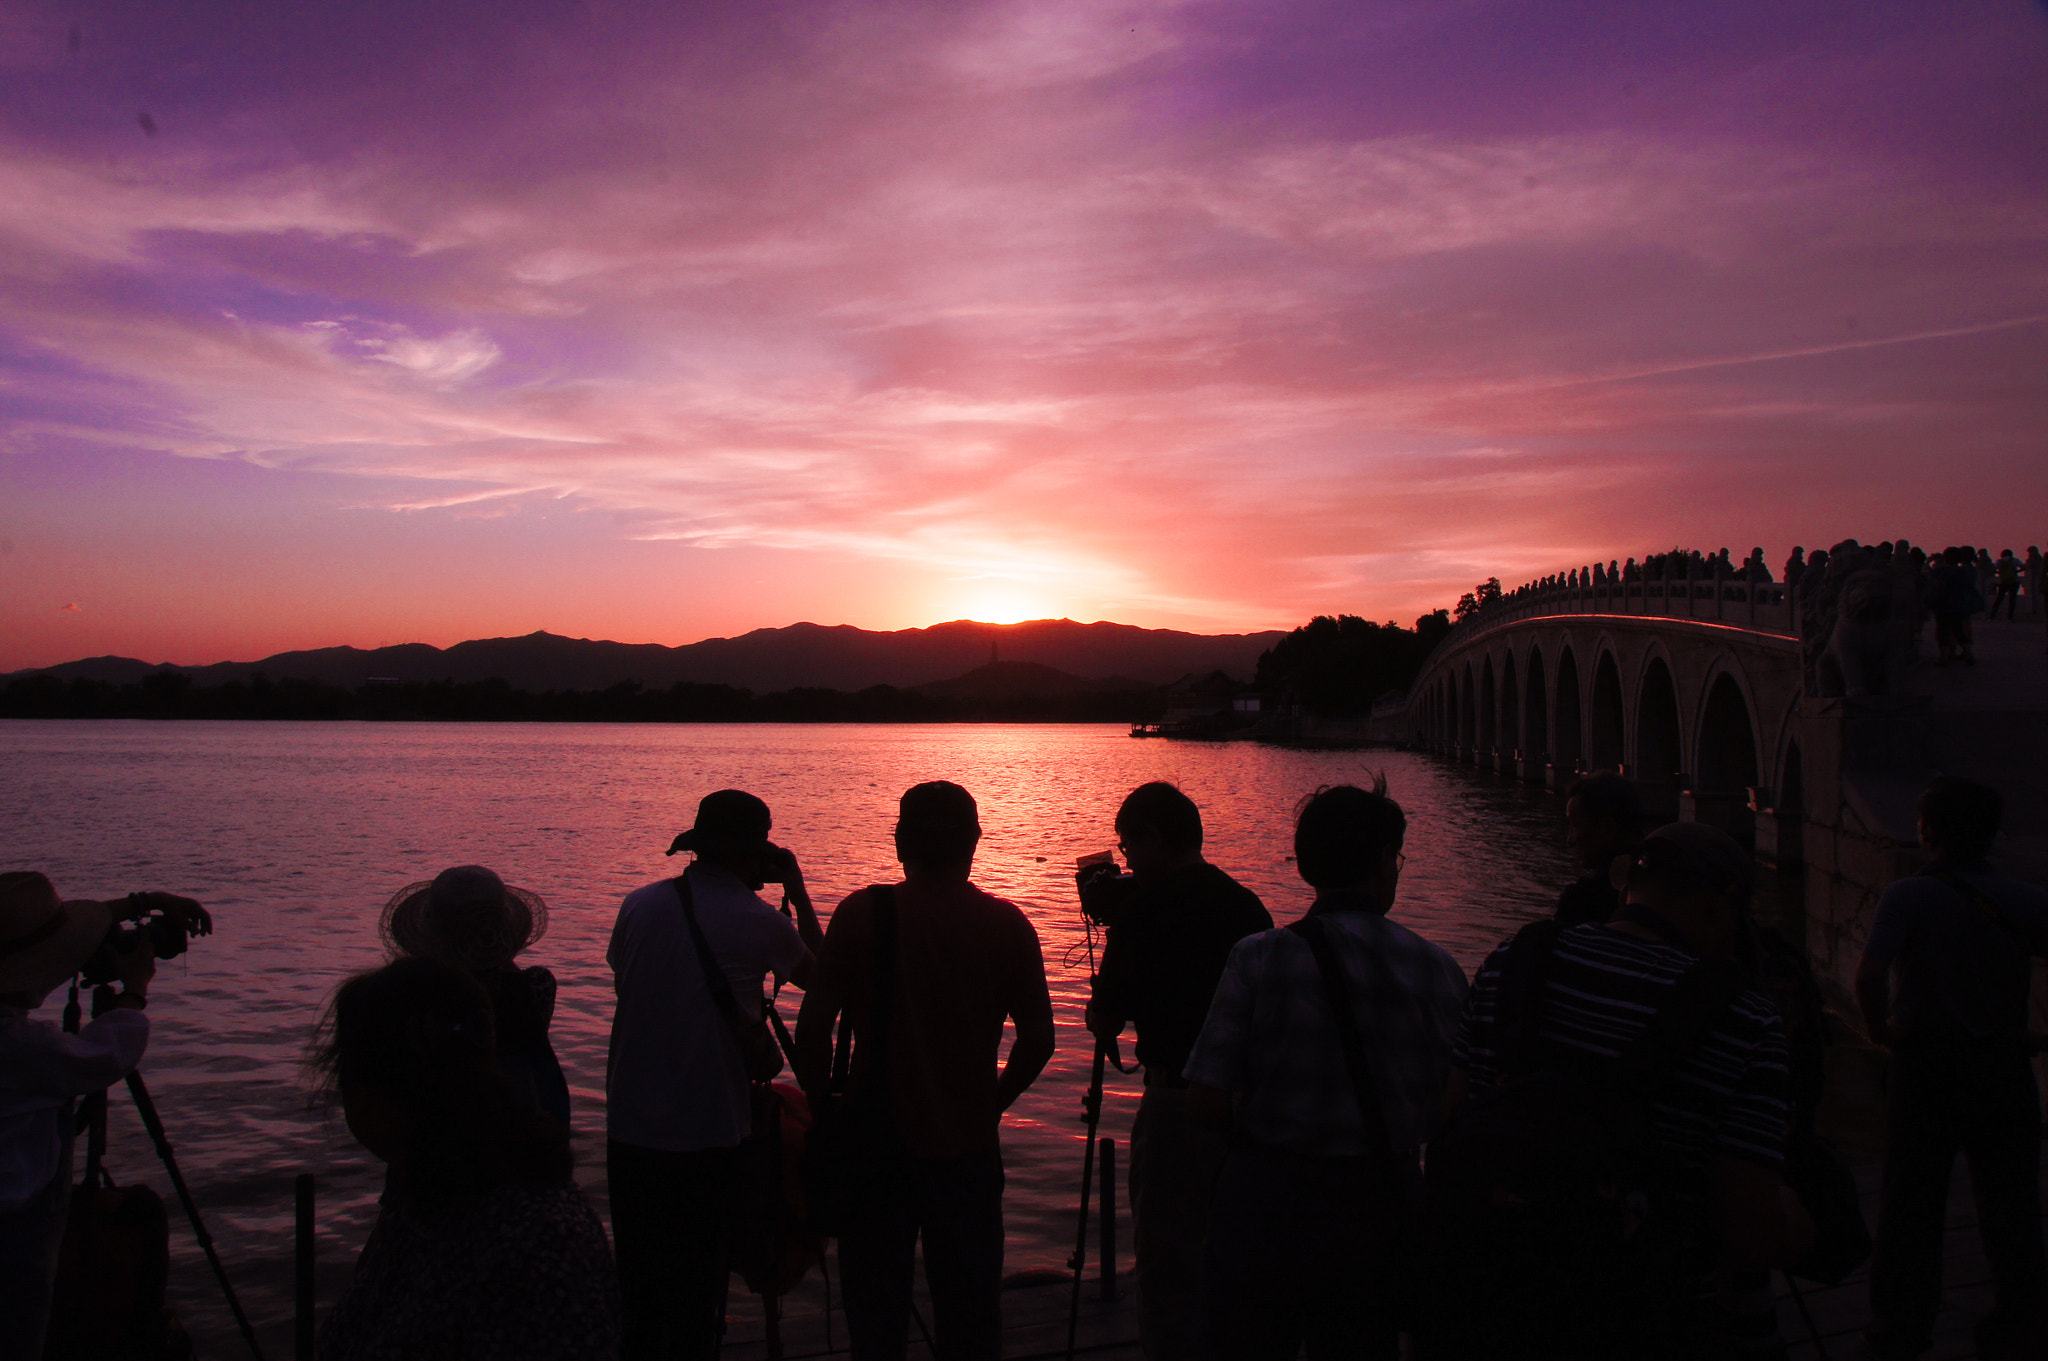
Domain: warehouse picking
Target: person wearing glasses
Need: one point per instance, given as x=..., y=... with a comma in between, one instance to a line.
x=1171, y=925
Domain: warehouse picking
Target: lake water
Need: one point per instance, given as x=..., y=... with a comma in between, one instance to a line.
x=295, y=834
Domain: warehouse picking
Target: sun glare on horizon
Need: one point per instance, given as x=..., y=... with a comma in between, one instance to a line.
x=1002, y=607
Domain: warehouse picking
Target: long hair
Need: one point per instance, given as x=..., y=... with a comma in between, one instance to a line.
x=420, y=1031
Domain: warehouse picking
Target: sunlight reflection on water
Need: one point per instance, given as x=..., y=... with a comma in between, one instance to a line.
x=294, y=834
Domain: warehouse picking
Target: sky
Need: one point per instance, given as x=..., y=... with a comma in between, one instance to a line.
x=374, y=322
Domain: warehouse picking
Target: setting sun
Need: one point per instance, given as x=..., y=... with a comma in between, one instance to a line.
x=1003, y=607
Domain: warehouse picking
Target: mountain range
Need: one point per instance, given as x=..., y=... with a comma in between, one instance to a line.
x=835, y=657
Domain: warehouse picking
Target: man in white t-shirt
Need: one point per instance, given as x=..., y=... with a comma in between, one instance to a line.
x=676, y=1082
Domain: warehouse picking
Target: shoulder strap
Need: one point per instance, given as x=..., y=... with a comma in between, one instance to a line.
x=1337, y=991
x=1984, y=903
x=715, y=981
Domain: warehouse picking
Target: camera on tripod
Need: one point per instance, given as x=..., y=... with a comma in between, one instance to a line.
x=168, y=934
x=1105, y=887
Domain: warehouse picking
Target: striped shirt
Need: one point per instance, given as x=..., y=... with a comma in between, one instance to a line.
x=1271, y=1041
x=1728, y=1096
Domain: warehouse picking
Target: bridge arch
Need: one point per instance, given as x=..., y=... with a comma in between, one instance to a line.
x=1569, y=710
x=1510, y=708
x=1659, y=766
x=1726, y=761
x=1783, y=842
x=1581, y=690
x=1535, y=730
x=1468, y=704
x=1789, y=798
x=1727, y=753
x=1605, y=748
x=1489, y=712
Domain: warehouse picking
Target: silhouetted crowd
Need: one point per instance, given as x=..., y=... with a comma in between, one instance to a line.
x=1980, y=584
x=1602, y=1145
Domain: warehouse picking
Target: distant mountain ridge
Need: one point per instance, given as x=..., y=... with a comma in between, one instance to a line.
x=835, y=657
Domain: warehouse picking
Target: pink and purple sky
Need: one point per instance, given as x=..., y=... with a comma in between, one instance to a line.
x=378, y=322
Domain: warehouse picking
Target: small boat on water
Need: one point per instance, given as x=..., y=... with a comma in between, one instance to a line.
x=1215, y=728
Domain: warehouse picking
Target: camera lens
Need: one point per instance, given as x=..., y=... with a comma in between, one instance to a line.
x=167, y=935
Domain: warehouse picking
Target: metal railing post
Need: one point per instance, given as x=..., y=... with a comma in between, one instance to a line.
x=302, y=1275
x=1107, y=1159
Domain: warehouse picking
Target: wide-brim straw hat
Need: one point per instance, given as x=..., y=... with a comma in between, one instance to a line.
x=466, y=915
x=44, y=939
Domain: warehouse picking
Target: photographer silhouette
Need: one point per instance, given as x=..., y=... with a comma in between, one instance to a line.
x=44, y=941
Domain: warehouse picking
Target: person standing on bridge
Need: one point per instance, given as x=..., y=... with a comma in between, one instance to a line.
x=1944, y=984
x=1953, y=596
x=2007, y=569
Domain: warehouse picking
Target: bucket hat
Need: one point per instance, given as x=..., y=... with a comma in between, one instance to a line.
x=44, y=939
x=725, y=818
x=466, y=915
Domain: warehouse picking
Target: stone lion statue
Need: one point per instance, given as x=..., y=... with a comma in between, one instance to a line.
x=1869, y=645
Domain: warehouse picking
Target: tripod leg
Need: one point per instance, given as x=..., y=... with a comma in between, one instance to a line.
x=152, y=1122
x=1812, y=1330
x=825, y=1275
x=1093, y=1103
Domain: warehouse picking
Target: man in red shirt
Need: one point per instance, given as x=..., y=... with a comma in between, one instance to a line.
x=962, y=964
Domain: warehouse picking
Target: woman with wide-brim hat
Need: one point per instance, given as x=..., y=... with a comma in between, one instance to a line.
x=484, y=1249
x=469, y=917
x=44, y=941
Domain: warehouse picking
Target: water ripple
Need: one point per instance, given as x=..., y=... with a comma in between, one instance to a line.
x=295, y=834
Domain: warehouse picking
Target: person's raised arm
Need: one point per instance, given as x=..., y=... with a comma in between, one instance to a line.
x=814, y=1020
x=1107, y=1012
x=785, y=871
x=1031, y=1013
x=187, y=913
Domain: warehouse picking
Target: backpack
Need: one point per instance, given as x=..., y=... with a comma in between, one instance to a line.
x=1553, y=1224
x=108, y=1300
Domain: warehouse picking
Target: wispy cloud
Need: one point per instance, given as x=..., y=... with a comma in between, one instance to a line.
x=1172, y=310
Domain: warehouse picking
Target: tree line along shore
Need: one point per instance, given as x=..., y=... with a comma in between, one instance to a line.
x=1333, y=666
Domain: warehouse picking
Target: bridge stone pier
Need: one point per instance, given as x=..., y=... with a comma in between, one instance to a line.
x=1701, y=692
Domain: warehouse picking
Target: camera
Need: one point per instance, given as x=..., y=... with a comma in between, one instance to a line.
x=1105, y=888
x=167, y=934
